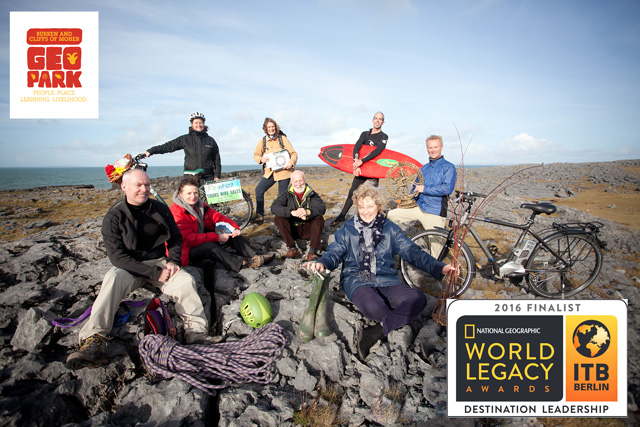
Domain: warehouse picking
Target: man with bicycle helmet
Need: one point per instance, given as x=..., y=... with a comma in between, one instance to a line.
x=201, y=154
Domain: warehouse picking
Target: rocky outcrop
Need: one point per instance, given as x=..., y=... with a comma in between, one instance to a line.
x=56, y=272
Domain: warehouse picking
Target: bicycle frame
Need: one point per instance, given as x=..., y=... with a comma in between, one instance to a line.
x=525, y=227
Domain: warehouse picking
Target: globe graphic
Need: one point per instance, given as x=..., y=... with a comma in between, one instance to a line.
x=591, y=338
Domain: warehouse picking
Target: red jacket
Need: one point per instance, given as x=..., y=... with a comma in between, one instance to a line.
x=188, y=225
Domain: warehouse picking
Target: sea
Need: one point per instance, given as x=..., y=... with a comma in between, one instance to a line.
x=22, y=178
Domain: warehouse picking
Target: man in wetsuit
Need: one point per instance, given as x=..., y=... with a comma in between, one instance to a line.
x=375, y=138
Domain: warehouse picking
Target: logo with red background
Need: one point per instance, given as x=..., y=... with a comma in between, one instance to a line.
x=54, y=59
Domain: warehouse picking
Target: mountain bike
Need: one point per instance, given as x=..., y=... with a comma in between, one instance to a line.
x=239, y=210
x=561, y=263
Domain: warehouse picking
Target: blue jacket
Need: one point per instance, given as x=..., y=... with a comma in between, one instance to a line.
x=345, y=250
x=439, y=182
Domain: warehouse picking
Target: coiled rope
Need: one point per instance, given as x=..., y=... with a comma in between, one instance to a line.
x=247, y=360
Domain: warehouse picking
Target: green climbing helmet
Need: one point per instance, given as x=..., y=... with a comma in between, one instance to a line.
x=256, y=310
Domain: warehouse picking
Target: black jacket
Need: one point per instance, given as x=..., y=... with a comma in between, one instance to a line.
x=287, y=202
x=200, y=152
x=120, y=235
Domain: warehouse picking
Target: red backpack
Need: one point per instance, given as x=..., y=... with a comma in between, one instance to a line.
x=157, y=319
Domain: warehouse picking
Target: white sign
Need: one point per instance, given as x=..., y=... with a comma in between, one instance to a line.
x=223, y=191
x=278, y=160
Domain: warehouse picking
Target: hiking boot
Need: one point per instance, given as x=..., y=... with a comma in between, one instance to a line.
x=253, y=262
x=337, y=221
x=269, y=257
x=258, y=219
x=292, y=253
x=367, y=337
x=311, y=256
x=202, y=338
x=92, y=353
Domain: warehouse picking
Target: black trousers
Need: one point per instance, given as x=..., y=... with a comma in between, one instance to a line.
x=217, y=253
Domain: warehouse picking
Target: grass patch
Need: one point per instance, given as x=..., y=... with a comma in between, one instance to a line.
x=323, y=411
x=20, y=209
x=387, y=409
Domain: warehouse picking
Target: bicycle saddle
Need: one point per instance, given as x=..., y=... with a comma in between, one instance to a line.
x=545, y=208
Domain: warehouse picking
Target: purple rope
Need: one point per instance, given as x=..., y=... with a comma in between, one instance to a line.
x=247, y=360
x=69, y=322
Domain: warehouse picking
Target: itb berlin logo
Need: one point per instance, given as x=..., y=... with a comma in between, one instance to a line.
x=54, y=65
x=537, y=358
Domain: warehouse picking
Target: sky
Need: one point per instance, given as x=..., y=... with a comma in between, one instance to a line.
x=503, y=82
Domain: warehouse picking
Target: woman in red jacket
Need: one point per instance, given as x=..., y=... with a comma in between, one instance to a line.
x=204, y=230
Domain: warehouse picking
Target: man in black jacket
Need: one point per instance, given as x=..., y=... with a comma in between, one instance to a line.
x=298, y=213
x=201, y=153
x=144, y=244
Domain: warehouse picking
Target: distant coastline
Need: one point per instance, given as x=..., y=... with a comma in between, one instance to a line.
x=34, y=177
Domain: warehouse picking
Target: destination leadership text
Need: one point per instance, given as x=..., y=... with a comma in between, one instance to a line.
x=535, y=410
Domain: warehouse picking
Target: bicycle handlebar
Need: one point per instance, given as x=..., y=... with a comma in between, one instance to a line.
x=469, y=195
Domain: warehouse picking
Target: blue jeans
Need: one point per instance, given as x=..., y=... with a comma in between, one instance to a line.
x=263, y=186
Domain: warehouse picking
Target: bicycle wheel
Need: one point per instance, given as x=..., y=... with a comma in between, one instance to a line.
x=240, y=211
x=433, y=241
x=549, y=277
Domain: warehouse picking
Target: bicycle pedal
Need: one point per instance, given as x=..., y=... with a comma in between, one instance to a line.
x=482, y=267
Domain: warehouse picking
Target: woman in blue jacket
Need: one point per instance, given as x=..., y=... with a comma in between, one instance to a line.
x=365, y=246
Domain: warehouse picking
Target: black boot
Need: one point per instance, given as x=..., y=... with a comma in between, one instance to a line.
x=367, y=337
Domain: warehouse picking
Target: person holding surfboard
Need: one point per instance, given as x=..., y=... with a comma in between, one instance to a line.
x=433, y=197
x=373, y=137
x=278, y=158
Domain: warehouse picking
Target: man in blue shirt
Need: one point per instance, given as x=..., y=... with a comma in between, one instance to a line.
x=432, y=197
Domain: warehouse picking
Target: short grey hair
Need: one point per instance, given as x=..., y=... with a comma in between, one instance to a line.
x=438, y=137
x=298, y=170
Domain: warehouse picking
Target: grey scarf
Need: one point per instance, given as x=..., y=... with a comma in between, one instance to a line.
x=197, y=211
x=369, y=236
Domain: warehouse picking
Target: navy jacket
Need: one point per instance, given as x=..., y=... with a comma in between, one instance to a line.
x=345, y=250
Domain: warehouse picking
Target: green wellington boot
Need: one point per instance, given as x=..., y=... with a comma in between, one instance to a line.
x=321, y=328
x=309, y=317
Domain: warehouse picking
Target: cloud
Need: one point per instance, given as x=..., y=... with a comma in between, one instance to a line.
x=628, y=151
x=527, y=145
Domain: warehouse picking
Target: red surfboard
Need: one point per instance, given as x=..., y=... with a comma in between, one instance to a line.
x=341, y=157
